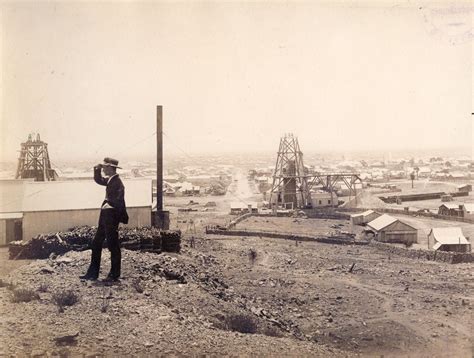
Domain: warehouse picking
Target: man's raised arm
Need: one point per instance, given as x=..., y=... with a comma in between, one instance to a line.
x=99, y=179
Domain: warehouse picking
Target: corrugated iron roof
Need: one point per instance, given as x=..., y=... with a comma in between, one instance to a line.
x=449, y=235
x=21, y=196
x=365, y=213
x=382, y=222
x=450, y=205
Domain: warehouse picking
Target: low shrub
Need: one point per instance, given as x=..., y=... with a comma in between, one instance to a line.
x=65, y=298
x=272, y=331
x=241, y=323
x=252, y=256
x=8, y=285
x=24, y=295
x=43, y=288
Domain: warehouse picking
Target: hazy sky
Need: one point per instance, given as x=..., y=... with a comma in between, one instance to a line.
x=235, y=76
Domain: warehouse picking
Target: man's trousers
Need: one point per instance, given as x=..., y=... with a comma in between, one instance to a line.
x=108, y=229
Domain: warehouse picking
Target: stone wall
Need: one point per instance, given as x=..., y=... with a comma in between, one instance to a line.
x=328, y=213
x=410, y=213
x=241, y=218
x=430, y=255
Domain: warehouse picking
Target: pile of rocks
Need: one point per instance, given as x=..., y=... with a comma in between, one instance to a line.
x=141, y=239
x=79, y=239
x=171, y=241
x=43, y=245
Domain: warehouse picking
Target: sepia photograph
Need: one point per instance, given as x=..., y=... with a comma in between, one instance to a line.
x=236, y=178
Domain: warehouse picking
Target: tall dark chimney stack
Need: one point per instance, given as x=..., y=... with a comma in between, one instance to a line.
x=159, y=158
x=160, y=219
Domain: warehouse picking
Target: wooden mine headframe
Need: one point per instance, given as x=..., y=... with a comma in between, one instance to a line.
x=290, y=185
x=34, y=161
x=292, y=182
x=329, y=180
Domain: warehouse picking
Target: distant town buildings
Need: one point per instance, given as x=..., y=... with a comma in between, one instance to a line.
x=237, y=208
x=321, y=198
x=448, y=239
x=460, y=210
x=389, y=229
x=468, y=210
x=364, y=218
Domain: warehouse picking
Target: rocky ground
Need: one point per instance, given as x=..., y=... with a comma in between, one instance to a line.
x=292, y=298
x=165, y=304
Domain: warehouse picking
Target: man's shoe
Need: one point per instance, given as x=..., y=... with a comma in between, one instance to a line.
x=88, y=276
x=110, y=278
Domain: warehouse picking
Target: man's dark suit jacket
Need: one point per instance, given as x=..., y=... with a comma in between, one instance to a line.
x=114, y=194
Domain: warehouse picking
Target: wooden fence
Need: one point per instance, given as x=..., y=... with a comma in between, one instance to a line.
x=336, y=239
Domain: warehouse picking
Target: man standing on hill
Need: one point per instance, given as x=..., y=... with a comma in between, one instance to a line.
x=113, y=212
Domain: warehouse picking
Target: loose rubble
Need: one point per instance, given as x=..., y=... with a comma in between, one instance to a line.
x=310, y=299
x=79, y=239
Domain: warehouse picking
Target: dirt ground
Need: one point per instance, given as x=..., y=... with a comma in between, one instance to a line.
x=423, y=185
x=295, y=225
x=6, y=265
x=387, y=305
x=302, y=298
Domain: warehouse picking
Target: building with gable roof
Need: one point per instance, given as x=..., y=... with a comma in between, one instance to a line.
x=386, y=228
x=448, y=239
x=29, y=208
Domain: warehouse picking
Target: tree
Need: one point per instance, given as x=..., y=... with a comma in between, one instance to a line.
x=417, y=171
x=217, y=188
x=412, y=177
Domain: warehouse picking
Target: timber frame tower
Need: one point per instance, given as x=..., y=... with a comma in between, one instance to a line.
x=293, y=182
x=34, y=162
x=290, y=182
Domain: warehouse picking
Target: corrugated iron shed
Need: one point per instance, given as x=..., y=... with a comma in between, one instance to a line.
x=450, y=205
x=382, y=222
x=22, y=196
x=448, y=236
x=365, y=213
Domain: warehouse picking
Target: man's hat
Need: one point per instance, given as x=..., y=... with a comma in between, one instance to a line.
x=111, y=162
